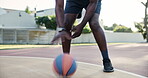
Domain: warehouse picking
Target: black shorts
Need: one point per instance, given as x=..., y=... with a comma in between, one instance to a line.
x=76, y=6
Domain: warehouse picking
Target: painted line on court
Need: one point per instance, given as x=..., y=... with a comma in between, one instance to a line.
x=116, y=70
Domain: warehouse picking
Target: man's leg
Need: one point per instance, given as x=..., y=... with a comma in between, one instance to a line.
x=68, y=21
x=98, y=33
x=101, y=41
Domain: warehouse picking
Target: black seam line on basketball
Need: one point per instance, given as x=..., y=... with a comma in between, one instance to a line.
x=62, y=65
x=70, y=67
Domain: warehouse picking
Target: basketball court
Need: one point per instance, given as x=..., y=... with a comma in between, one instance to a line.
x=34, y=67
x=131, y=59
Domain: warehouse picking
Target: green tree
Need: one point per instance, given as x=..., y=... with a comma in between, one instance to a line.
x=108, y=28
x=141, y=28
x=114, y=25
x=86, y=29
x=27, y=10
x=118, y=28
x=111, y=28
x=52, y=23
x=146, y=18
x=122, y=28
x=48, y=21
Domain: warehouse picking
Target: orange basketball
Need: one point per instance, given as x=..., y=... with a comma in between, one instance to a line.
x=64, y=65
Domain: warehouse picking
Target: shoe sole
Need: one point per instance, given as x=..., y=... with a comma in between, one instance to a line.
x=108, y=70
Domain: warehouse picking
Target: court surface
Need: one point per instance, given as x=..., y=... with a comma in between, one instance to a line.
x=131, y=57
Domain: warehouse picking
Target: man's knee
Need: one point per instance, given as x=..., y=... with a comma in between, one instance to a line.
x=94, y=25
x=69, y=20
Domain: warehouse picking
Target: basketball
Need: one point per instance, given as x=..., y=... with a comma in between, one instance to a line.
x=64, y=65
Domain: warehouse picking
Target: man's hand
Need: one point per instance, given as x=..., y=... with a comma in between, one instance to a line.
x=63, y=34
x=77, y=31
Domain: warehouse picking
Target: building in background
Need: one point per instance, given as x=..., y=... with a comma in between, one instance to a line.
x=45, y=12
x=16, y=19
x=18, y=27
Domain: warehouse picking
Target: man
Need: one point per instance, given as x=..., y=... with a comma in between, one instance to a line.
x=65, y=20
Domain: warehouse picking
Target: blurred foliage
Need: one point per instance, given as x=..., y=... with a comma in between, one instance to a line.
x=141, y=29
x=48, y=21
x=122, y=29
x=110, y=28
x=118, y=28
x=86, y=29
x=27, y=10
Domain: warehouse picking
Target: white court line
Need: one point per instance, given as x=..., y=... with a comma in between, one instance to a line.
x=117, y=70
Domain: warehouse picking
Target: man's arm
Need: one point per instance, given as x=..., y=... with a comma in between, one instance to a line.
x=59, y=10
x=89, y=12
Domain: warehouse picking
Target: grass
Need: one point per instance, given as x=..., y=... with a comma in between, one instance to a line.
x=16, y=46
